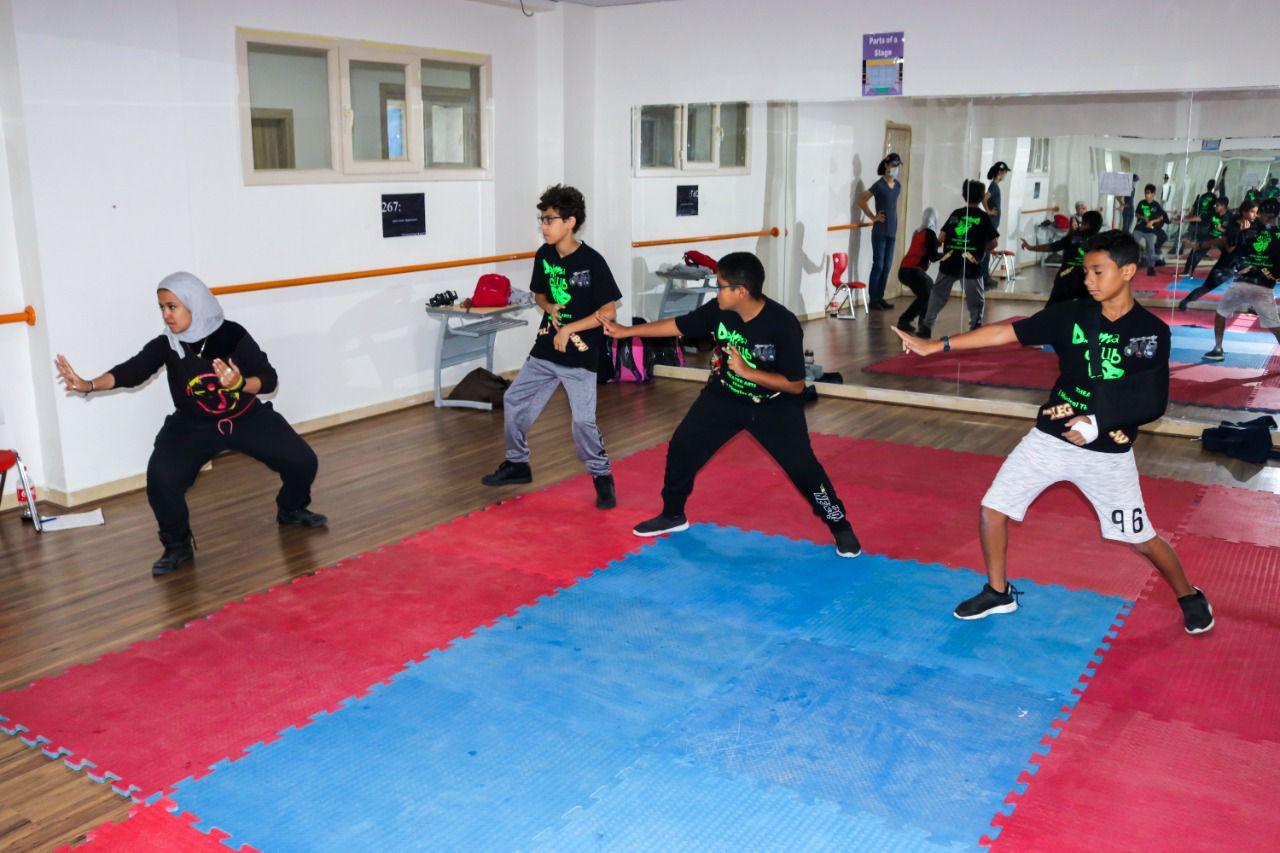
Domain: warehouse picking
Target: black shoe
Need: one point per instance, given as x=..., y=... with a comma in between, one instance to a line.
x=1151, y=270
x=509, y=474
x=175, y=554
x=906, y=327
x=991, y=286
x=301, y=517
x=1215, y=354
x=606, y=497
x=884, y=304
x=661, y=524
x=924, y=331
x=988, y=602
x=847, y=544
x=1182, y=305
x=1197, y=614
x=876, y=306
x=974, y=326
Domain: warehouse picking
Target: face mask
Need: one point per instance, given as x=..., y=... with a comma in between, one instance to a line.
x=893, y=171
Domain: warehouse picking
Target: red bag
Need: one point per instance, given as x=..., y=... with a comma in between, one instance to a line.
x=698, y=259
x=492, y=291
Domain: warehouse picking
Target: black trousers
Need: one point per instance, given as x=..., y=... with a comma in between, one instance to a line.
x=1067, y=286
x=921, y=286
x=186, y=442
x=780, y=428
x=1214, y=279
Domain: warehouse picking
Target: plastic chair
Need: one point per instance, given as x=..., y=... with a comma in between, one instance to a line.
x=26, y=494
x=1004, y=258
x=844, y=291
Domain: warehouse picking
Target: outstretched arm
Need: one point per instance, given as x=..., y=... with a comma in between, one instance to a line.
x=660, y=329
x=73, y=382
x=994, y=335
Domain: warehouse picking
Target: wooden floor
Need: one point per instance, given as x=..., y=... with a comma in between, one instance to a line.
x=70, y=597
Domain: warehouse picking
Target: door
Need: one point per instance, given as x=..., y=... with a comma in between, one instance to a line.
x=897, y=139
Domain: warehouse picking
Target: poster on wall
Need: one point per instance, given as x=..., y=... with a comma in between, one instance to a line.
x=404, y=215
x=882, y=64
x=687, y=200
x=1115, y=183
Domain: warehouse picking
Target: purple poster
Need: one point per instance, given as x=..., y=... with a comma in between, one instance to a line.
x=882, y=64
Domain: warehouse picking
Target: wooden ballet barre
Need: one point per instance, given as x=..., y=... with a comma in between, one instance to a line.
x=1053, y=209
x=348, y=276
x=707, y=238
x=26, y=315
x=850, y=227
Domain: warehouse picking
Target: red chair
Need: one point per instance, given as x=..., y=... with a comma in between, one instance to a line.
x=844, y=291
x=1004, y=258
x=26, y=494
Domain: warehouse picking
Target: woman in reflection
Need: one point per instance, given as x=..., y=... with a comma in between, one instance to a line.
x=216, y=372
x=914, y=271
x=1069, y=282
x=885, y=228
x=994, y=205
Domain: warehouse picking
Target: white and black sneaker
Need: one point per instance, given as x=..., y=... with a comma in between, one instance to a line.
x=988, y=602
x=1197, y=614
x=661, y=524
x=847, y=544
x=1215, y=354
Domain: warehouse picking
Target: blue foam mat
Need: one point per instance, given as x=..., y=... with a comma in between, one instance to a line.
x=824, y=698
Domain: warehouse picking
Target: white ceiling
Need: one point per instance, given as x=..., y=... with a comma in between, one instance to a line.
x=547, y=5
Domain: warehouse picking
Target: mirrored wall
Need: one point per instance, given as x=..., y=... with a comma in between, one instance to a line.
x=806, y=186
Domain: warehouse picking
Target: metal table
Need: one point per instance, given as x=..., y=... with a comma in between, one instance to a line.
x=679, y=299
x=470, y=338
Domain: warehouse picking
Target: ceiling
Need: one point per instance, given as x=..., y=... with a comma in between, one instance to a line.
x=547, y=5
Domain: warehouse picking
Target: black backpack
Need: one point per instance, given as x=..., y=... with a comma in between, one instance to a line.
x=1247, y=440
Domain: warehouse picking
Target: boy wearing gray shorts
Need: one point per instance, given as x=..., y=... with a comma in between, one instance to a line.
x=1113, y=361
x=1255, y=281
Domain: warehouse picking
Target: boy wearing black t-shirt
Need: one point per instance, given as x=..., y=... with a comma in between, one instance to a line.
x=1257, y=268
x=757, y=376
x=1113, y=361
x=574, y=287
x=1149, y=216
x=1069, y=282
x=1211, y=227
x=967, y=237
x=1238, y=232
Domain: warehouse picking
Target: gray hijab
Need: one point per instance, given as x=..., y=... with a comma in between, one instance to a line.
x=929, y=221
x=206, y=313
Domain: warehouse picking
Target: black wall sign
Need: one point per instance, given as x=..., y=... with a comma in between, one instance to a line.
x=687, y=200
x=404, y=215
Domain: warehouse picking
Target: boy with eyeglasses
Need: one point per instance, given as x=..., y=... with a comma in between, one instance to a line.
x=574, y=287
x=757, y=376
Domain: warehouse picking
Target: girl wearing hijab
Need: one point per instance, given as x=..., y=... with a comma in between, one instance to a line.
x=914, y=271
x=1069, y=283
x=216, y=372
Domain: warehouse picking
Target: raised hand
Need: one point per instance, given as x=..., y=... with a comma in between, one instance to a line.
x=612, y=329
x=919, y=346
x=228, y=374
x=69, y=378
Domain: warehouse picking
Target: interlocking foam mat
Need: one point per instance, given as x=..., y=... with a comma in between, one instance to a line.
x=530, y=681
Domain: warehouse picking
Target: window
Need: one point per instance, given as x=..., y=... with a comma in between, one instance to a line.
x=316, y=110
x=1039, y=160
x=672, y=139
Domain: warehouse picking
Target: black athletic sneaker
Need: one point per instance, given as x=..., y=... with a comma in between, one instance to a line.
x=1215, y=354
x=988, y=602
x=661, y=524
x=509, y=474
x=176, y=552
x=1182, y=304
x=924, y=331
x=301, y=517
x=847, y=544
x=606, y=497
x=1197, y=614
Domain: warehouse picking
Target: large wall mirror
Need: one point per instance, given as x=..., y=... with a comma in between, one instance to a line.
x=795, y=183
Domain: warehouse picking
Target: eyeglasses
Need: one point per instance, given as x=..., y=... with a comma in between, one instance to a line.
x=727, y=286
x=547, y=220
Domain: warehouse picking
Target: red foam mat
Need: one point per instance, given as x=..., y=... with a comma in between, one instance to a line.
x=1120, y=780
x=152, y=829
x=1236, y=515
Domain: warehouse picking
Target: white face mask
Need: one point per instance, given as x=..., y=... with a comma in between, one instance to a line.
x=893, y=171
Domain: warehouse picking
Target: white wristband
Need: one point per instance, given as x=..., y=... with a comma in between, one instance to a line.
x=1088, y=429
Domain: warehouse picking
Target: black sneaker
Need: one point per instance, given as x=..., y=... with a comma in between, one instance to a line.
x=847, y=544
x=988, y=602
x=905, y=327
x=1215, y=354
x=1197, y=613
x=661, y=524
x=606, y=497
x=924, y=331
x=1151, y=270
x=301, y=517
x=175, y=554
x=509, y=474
x=1182, y=304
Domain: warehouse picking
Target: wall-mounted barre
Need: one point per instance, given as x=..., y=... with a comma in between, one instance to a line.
x=348, y=276
x=850, y=227
x=768, y=232
x=26, y=315
x=1053, y=209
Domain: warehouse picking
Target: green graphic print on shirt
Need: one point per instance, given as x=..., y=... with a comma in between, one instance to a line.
x=558, y=286
x=1109, y=349
x=720, y=364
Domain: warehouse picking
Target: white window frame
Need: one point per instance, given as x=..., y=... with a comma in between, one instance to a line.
x=344, y=167
x=685, y=167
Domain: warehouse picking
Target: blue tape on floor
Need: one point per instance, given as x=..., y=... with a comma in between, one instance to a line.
x=841, y=692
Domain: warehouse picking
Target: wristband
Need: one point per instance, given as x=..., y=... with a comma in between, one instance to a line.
x=1087, y=428
x=91, y=388
x=946, y=343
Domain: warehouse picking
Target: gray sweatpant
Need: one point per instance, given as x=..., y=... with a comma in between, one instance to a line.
x=527, y=397
x=974, y=299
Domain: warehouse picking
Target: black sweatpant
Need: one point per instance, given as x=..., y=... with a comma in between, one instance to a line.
x=921, y=286
x=1067, y=286
x=1215, y=279
x=186, y=442
x=780, y=428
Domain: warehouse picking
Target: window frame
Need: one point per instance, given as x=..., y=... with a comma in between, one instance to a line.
x=685, y=167
x=344, y=168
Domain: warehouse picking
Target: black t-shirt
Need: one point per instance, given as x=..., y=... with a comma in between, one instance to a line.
x=965, y=237
x=1213, y=226
x=1234, y=237
x=1147, y=212
x=1271, y=192
x=193, y=384
x=583, y=284
x=1251, y=194
x=1071, y=245
x=1259, y=258
x=1204, y=203
x=773, y=341
x=1131, y=389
